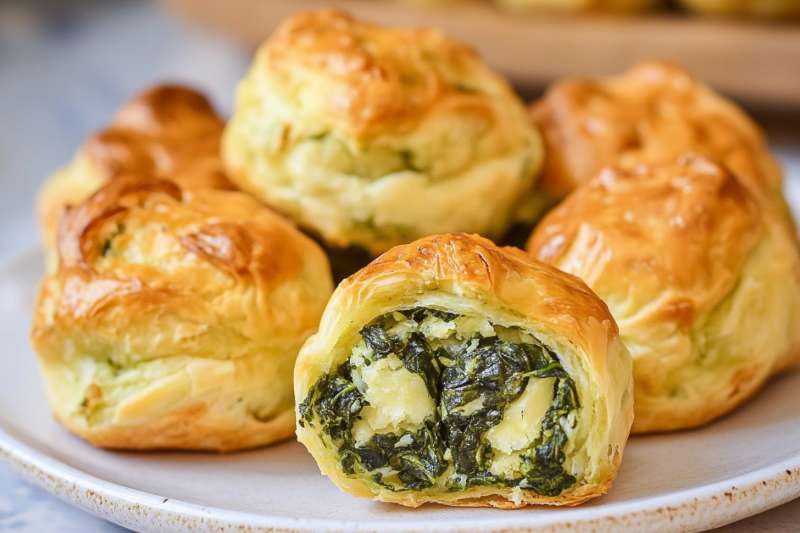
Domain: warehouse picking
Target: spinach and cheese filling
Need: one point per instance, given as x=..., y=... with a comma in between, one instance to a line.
x=433, y=400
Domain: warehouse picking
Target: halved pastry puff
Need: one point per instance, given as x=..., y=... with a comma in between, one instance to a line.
x=174, y=318
x=450, y=370
x=702, y=280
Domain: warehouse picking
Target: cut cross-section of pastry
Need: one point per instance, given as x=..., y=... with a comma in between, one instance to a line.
x=450, y=370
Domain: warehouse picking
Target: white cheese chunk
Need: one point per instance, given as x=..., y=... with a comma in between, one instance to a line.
x=522, y=418
x=398, y=399
x=505, y=466
x=469, y=326
x=361, y=354
x=435, y=328
x=470, y=407
x=402, y=329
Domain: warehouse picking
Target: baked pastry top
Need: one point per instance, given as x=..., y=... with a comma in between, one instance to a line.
x=654, y=112
x=450, y=370
x=167, y=131
x=174, y=317
x=374, y=136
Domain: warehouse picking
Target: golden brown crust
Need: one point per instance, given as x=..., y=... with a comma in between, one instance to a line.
x=690, y=227
x=174, y=317
x=231, y=231
x=380, y=78
x=186, y=430
x=168, y=131
x=506, y=274
x=653, y=113
x=498, y=498
x=683, y=255
x=467, y=273
x=77, y=247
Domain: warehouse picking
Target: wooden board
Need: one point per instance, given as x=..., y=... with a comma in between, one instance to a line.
x=756, y=62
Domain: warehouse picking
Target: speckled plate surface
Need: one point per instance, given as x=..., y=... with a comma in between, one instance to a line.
x=741, y=465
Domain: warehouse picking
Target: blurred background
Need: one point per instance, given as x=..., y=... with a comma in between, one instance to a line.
x=66, y=66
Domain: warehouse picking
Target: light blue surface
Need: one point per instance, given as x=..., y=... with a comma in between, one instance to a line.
x=63, y=72
x=24, y=507
x=63, y=75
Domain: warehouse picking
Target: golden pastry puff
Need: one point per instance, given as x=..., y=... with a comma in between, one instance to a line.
x=449, y=370
x=168, y=131
x=705, y=287
x=654, y=112
x=595, y=6
x=758, y=8
x=174, y=318
x=372, y=136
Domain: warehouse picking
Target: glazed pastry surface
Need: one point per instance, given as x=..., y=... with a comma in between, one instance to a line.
x=654, y=113
x=167, y=131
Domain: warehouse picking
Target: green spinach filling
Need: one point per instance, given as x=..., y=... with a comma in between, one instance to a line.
x=106, y=247
x=471, y=380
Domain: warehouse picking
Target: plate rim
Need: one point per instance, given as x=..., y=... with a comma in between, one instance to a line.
x=693, y=509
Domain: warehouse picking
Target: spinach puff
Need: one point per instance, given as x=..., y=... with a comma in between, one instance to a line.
x=168, y=131
x=174, y=318
x=372, y=136
x=450, y=370
x=703, y=282
x=654, y=112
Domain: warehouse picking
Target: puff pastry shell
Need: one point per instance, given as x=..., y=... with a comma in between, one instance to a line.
x=174, y=318
x=468, y=275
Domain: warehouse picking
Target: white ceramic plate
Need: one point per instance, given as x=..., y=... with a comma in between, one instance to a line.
x=741, y=465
